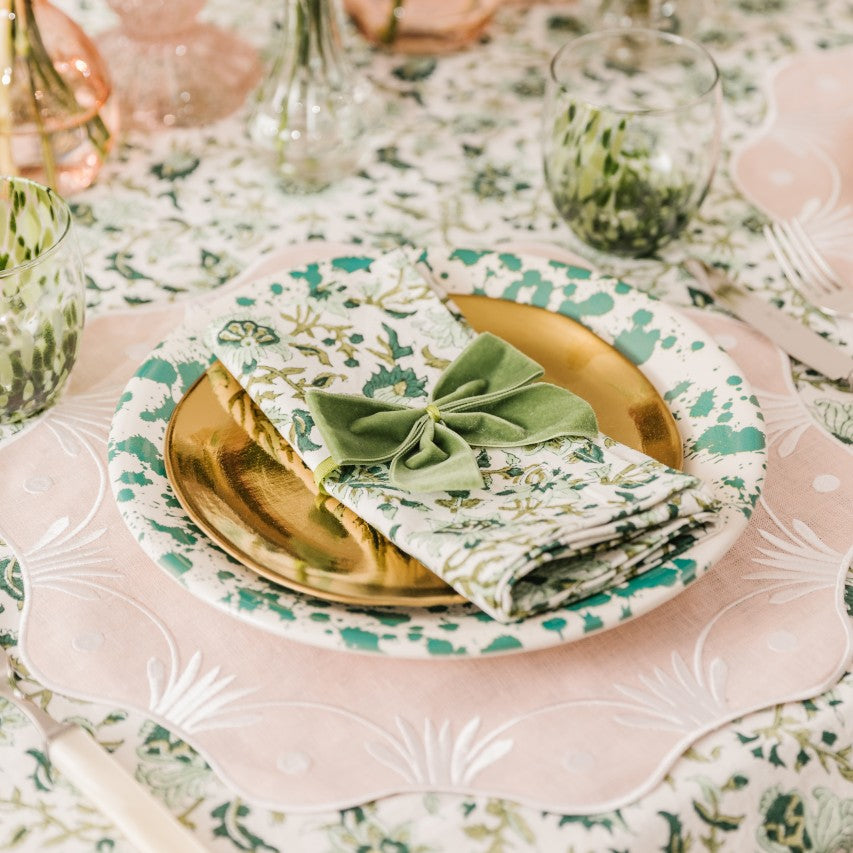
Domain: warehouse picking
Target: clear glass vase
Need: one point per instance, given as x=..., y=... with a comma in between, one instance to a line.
x=313, y=109
x=57, y=117
x=672, y=16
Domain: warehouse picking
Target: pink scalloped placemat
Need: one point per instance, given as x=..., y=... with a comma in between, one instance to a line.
x=581, y=728
x=799, y=164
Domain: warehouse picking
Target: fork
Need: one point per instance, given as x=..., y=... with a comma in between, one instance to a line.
x=807, y=272
x=144, y=820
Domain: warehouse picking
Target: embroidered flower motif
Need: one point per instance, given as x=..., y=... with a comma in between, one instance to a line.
x=73, y=560
x=786, y=420
x=799, y=562
x=247, y=333
x=435, y=757
x=790, y=820
x=394, y=386
x=248, y=339
x=679, y=700
x=167, y=765
x=195, y=700
x=828, y=223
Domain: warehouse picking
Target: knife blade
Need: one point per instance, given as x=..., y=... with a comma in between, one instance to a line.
x=785, y=331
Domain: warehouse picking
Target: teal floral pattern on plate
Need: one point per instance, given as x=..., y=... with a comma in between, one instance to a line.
x=717, y=414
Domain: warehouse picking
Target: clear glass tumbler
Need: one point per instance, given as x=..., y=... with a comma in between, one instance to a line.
x=631, y=136
x=42, y=297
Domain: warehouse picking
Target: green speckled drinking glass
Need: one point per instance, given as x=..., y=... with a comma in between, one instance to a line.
x=631, y=136
x=42, y=297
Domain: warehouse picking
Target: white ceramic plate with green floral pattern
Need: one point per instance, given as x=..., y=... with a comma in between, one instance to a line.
x=717, y=414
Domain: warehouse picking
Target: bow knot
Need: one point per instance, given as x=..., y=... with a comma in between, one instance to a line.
x=486, y=397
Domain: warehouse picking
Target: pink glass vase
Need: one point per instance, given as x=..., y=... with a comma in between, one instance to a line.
x=421, y=26
x=57, y=118
x=172, y=70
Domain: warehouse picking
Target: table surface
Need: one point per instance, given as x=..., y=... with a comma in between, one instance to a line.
x=455, y=161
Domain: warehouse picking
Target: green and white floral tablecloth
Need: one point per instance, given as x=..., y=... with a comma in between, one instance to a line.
x=456, y=162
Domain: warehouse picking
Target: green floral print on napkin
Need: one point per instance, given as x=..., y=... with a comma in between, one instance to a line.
x=486, y=398
x=546, y=523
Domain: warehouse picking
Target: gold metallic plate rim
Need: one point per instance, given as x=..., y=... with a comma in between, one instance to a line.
x=197, y=500
x=243, y=486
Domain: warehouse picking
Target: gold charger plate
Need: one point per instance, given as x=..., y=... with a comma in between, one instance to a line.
x=243, y=485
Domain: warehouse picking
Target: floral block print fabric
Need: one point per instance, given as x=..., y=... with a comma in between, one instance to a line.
x=583, y=727
x=553, y=522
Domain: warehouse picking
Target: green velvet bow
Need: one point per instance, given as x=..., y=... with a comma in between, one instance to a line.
x=487, y=397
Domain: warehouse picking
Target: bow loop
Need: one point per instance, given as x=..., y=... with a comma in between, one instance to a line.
x=471, y=389
x=487, y=397
x=491, y=364
x=362, y=428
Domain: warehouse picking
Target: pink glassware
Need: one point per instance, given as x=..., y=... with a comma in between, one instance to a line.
x=57, y=117
x=172, y=70
x=421, y=26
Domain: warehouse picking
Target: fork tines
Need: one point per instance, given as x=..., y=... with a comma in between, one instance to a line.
x=806, y=270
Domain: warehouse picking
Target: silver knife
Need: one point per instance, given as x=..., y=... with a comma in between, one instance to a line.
x=785, y=331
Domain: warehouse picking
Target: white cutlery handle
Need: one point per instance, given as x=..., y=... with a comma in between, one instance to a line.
x=142, y=819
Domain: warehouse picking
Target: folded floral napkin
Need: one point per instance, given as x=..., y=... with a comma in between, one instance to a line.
x=442, y=440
